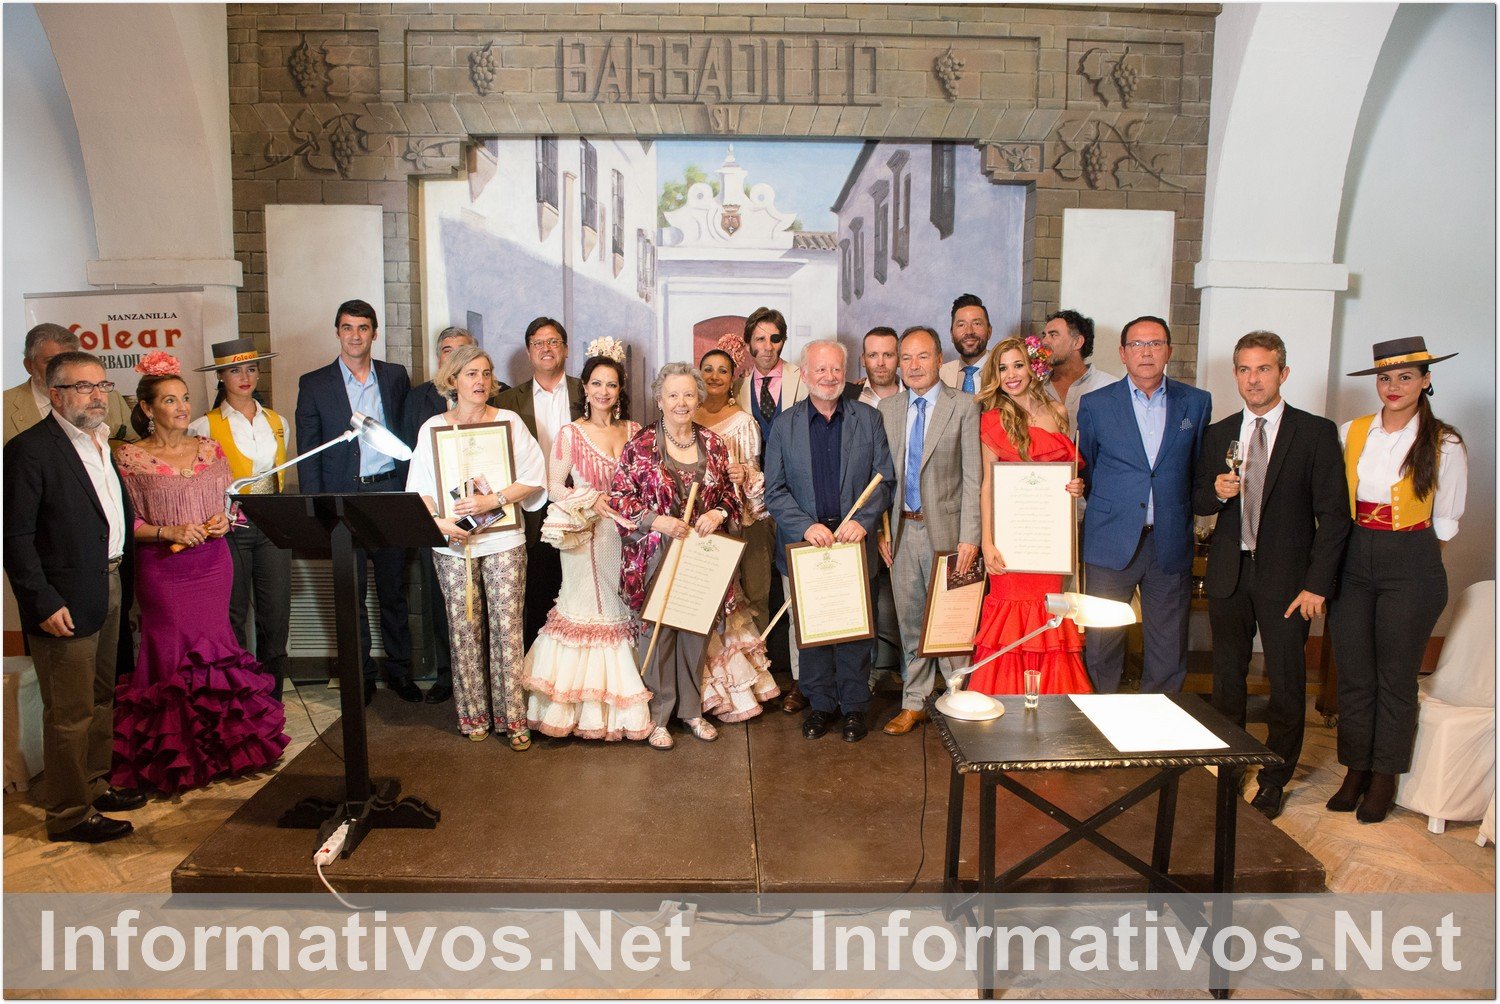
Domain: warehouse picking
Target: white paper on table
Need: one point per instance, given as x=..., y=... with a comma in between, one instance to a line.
x=1138, y=723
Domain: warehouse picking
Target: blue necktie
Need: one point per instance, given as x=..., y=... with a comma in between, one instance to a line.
x=913, y=491
x=969, y=372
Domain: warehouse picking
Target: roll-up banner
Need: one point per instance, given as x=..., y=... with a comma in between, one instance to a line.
x=123, y=326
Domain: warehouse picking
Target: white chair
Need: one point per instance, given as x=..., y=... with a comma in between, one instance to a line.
x=1487, y=825
x=23, y=723
x=1452, y=772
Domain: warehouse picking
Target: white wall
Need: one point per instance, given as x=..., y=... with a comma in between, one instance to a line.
x=49, y=220
x=1116, y=265
x=1419, y=241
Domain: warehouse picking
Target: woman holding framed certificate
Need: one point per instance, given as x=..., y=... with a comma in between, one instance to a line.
x=661, y=469
x=580, y=673
x=463, y=458
x=1019, y=424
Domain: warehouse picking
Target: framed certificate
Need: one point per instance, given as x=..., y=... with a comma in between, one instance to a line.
x=475, y=459
x=830, y=593
x=690, y=599
x=1033, y=519
x=953, y=606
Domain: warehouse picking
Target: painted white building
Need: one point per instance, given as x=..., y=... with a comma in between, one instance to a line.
x=920, y=223
x=723, y=256
x=556, y=226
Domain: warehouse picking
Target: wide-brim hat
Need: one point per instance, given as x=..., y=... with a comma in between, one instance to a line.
x=235, y=353
x=1399, y=352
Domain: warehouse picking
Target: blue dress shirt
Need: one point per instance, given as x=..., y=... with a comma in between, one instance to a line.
x=826, y=437
x=365, y=399
x=1151, y=420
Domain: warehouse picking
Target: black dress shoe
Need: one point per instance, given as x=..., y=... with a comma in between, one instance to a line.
x=119, y=800
x=1356, y=783
x=1379, y=799
x=369, y=692
x=438, y=693
x=96, y=829
x=406, y=690
x=1267, y=800
x=854, y=727
x=815, y=726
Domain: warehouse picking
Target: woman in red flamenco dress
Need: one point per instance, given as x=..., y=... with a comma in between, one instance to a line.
x=1016, y=409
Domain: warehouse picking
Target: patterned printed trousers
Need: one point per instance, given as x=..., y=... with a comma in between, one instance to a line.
x=486, y=675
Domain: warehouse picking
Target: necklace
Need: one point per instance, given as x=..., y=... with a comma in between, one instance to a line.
x=681, y=446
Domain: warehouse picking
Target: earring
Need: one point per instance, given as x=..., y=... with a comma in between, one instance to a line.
x=617, y=411
x=150, y=426
x=587, y=408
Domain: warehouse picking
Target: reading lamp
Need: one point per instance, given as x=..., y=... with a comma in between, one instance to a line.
x=368, y=431
x=1083, y=610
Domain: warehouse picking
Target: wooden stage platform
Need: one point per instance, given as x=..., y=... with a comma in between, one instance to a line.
x=759, y=810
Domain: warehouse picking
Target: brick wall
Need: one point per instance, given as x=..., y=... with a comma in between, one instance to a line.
x=1094, y=106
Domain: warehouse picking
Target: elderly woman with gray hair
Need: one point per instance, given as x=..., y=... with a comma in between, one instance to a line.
x=657, y=470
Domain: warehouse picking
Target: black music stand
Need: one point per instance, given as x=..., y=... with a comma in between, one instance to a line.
x=337, y=525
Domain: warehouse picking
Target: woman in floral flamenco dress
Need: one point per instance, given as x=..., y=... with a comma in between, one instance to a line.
x=198, y=706
x=1016, y=410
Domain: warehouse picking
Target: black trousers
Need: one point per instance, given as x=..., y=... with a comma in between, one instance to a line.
x=1234, y=620
x=436, y=619
x=262, y=576
x=1391, y=594
x=390, y=589
x=543, y=583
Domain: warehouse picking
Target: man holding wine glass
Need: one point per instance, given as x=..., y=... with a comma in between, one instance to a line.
x=1283, y=509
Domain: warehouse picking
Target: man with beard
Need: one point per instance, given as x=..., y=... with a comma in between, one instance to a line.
x=1069, y=336
x=969, y=328
x=879, y=353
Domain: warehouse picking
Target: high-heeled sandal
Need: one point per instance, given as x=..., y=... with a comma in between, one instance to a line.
x=476, y=737
x=520, y=740
x=701, y=728
x=660, y=738
x=1379, y=798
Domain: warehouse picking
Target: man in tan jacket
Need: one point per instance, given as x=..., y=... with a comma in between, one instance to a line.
x=28, y=403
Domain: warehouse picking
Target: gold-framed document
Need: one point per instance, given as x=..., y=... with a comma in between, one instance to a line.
x=830, y=593
x=475, y=459
x=690, y=599
x=1033, y=519
x=954, y=603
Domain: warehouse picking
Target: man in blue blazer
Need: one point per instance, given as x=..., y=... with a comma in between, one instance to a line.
x=821, y=454
x=327, y=397
x=1139, y=440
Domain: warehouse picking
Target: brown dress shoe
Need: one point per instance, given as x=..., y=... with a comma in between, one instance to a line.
x=794, y=702
x=905, y=722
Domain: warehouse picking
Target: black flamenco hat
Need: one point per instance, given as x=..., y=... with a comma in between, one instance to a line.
x=1400, y=352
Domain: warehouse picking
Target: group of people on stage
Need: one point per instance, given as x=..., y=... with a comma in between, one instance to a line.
x=538, y=626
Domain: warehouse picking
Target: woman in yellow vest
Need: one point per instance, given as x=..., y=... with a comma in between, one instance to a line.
x=1408, y=475
x=254, y=439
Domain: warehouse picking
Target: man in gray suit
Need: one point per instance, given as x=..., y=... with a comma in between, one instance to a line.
x=822, y=453
x=933, y=431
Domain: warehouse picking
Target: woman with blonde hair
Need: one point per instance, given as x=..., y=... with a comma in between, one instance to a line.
x=487, y=647
x=1019, y=423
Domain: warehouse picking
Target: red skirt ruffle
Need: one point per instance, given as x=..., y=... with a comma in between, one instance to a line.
x=1014, y=608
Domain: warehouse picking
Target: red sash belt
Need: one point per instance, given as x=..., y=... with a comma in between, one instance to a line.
x=1377, y=516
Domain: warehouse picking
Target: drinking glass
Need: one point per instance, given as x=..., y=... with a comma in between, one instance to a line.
x=1033, y=681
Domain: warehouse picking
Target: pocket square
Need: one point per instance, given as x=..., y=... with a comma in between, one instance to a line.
x=1185, y=426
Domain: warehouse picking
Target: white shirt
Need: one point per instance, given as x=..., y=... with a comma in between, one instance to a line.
x=531, y=469
x=552, y=413
x=868, y=396
x=1273, y=425
x=1092, y=380
x=93, y=450
x=253, y=438
x=1380, y=468
x=42, y=398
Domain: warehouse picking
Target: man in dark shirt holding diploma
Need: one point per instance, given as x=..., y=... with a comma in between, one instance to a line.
x=820, y=456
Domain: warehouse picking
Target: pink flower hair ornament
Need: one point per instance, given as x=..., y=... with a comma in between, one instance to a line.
x=1039, y=356
x=159, y=364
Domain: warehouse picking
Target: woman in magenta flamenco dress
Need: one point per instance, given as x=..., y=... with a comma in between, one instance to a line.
x=198, y=706
x=1015, y=407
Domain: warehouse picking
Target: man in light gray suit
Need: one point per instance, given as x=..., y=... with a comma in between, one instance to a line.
x=933, y=432
x=822, y=453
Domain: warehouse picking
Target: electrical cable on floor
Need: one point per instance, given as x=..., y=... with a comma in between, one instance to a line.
x=324, y=878
x=308, y=712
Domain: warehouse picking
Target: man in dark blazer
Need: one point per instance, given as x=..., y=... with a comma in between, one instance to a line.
x=1139, y=440
x=822, y=453
x=1283, y=521
x=327, y=397
x=67, y=535
x=424, y=402
x=546, y=402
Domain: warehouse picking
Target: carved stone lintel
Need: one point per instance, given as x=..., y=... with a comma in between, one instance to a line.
x=1003, y=161
x=723, y=120
x=328, y=146
x=426, y=153
x=1110, y=153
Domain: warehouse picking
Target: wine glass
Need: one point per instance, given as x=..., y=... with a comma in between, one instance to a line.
x=1235, y=456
